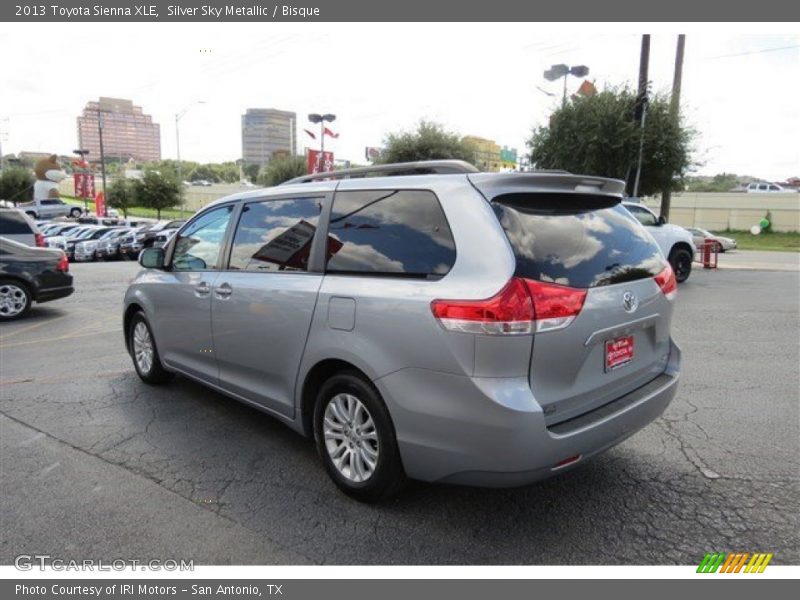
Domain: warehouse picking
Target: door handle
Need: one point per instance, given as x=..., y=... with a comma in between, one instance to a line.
x=202, y=289
x=223, y=291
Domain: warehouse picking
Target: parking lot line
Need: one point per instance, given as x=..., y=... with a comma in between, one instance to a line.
x=61, y=337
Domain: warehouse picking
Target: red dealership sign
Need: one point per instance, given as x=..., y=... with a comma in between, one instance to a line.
x=313, y=164
x=84, y=185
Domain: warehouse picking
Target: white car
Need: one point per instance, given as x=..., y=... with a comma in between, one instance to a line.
x=701, y=236
x=763, y=187
x=675, y=242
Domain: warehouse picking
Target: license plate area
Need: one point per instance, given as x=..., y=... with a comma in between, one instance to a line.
x=618, y=352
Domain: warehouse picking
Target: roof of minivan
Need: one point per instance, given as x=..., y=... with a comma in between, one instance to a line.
x=490, y=185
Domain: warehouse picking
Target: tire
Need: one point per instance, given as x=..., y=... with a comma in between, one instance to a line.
x=681, y=261
x=75, y=213
x=359, y=443
x=15, y=299
x=149, y=370
x=720, y=249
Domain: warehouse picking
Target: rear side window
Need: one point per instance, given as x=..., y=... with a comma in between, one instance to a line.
x=401, y=233
x=13, y=223
x=275, y=235
x=576, y=240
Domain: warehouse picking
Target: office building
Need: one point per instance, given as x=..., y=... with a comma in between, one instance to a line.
x=128, y=133
x=267, y=131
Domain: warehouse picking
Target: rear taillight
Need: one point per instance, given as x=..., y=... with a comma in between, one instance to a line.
x=63, y=264
x=40, y=240
x=521, y=307
x=509, y=312
x=556, y=306
x=667, y=282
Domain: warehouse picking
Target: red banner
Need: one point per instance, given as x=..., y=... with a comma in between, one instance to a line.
x=100, y=204
x=314, y=166
x=84, y=185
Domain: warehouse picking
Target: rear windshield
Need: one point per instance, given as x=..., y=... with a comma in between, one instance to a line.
x=577, y=240
x=13, y=223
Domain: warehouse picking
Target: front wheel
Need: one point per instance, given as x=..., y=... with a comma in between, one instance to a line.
x=356, y=439
x=15, y=299
x=75, y=213
x=681, y=261
x=144, y=352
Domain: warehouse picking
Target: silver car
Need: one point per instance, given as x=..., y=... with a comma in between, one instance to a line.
x=438, y=324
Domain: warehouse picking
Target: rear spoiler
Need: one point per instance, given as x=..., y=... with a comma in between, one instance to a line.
x=492, y=185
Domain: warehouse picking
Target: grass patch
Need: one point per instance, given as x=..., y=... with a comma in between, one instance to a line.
x=135, y=211
x=772, y=240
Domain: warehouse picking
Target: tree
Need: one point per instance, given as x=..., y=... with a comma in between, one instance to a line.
x=203, y=172
x=280, y=169
x=158, y=191
x=251, y=172
x=430, y=141
x=596, y=135
x=722, y=182
x=121, y=194
x=16, y=184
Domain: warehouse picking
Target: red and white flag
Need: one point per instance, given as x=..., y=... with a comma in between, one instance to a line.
x=313, y=137
x=327, y=131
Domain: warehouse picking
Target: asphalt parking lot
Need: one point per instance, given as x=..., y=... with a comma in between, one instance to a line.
x=95, y=464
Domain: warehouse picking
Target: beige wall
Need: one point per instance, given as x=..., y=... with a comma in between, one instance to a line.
x=719, y=211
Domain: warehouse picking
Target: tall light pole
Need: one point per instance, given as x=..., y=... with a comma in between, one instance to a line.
x=100, y=125
x=2, y=133
x=321, y=119
x=556, y=72
x=178, y=116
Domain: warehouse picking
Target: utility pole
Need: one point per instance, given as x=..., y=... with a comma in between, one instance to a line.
x=640, y=112
x=2, y=133
x=102, y=157
x=674, y=113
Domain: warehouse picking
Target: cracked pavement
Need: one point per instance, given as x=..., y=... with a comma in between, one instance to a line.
x=95, y=464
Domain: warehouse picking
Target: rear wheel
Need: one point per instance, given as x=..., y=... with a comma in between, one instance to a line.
x=681, y=261
x=145, y=356
x=356, y=439
x=15, y=299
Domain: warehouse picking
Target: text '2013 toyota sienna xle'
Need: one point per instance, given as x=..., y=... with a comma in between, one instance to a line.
x=430, y=322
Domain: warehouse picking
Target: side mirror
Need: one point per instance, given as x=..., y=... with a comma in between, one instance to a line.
x=662, y=220
x=152, y=258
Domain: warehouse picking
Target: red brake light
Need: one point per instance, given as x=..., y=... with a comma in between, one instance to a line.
x=40, y=240
x=508, y=312
x=556, y=305
x=521, y=307
x=63, y=264
x=667, y=282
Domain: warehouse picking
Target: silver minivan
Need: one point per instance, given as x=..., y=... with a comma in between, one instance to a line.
x=420, y=320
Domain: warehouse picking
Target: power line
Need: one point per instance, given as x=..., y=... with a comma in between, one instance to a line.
x=752, y=52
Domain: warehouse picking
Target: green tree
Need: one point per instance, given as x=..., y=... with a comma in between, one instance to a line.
x=430, y=141
x=280, y=169
x=206, y=172
x=16, y=184
x=158, y=191
x=722, y=182
x=596, y=135
x=251, y=172
x=121, y=195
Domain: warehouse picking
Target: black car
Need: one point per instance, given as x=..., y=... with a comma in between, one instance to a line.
x=148, y=237
x=29, y=274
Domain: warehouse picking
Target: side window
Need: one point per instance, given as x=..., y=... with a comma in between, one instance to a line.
x=773, y=188
x=275, y=235
x=644, y=216
x=198, y=246
x=762, y=187
x=390, y=232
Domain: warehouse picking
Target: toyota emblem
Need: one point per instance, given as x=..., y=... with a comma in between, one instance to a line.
x=630, y=302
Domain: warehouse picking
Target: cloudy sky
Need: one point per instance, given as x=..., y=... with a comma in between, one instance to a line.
x=740, y=90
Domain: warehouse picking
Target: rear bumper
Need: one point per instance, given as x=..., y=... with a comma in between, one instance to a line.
x=492, y=432
x=54, y=293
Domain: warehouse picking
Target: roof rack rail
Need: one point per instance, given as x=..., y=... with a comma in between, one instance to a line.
x=422, y=167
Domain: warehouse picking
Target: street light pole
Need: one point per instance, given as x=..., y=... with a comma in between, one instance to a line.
x=321, y=119
x=178, y=116
x=102, y=158
x=556, y=72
